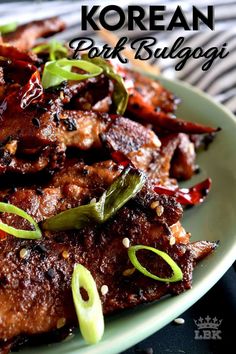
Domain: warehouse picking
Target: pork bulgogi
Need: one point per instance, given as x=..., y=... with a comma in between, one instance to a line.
x=62, y=146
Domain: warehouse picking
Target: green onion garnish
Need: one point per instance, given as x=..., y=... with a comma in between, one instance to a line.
x=89, y=313
x=55, y=49
x=27, y=234
x=55, y=72
x=125, y=187
x=9, y=27
x=120, y=95
x=177, y=272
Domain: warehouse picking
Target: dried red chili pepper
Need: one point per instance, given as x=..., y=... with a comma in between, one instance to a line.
x=187, y=196
x=146, y=113
x=31, y=91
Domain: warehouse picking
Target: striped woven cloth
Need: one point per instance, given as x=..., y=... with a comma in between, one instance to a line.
x=219, y=81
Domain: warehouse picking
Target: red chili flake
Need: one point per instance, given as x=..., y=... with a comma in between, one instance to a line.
x=120, y=158
x=3, y=235
x=187, y=196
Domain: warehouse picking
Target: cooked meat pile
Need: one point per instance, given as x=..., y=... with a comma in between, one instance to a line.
x=61, y=148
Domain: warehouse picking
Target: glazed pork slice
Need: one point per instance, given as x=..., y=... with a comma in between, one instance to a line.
x=78, y=183
x=25, y=35
x=35, y=276
x=32, y=139
x=161, y=158
x=36, y=137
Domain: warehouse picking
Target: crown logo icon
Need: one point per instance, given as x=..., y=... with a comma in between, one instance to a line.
x=209, y=323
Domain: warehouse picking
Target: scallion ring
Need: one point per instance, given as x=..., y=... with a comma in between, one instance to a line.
x=89, y=313
x=55, y=49
x=9, y=27
x=55, y=72
x=27, y=234
x=120, y=94
x=177, y=272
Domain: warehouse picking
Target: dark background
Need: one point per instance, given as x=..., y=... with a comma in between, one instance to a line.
x=219, y=302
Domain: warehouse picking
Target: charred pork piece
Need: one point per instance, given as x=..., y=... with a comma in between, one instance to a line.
x=34, y=130
x=127, y=136
x=81, y=129
x=129, y=141
x=49, y=158
x=141, y=146
x=151, y=91
x=28, y=131
x=160, y=207
x=183, y=162
x=78, y=183
x=35, y=288
x=74, y=185
x=25, y=35
x=175, y=160
x=150, y=103
x=87, y=179
x=92, y=94
x=35, y=139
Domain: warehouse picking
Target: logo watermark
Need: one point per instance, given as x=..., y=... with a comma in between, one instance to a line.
x=207, y=328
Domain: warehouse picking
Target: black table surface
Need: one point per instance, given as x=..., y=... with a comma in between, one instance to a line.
x=219, y=303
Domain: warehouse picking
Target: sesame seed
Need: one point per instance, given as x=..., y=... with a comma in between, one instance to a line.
x=93, y=201
x=128, y=272
x=179, y=320
x=156, y=141
x=11, y=147
x=62, y=95
x=61, y=322
x=126, y=242
x=104, y=289
x=159, y=210
x=24, y=253
x=154, y=204
x=65, y=254
x=172, y=240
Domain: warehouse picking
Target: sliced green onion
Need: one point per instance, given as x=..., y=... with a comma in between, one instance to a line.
x=120, y=95
x=27, y=234
x=55, y=72
x=74, y=218
x=55, y=49
x=125, y=187
x=177, y=272
x=9, y=27
x=89, y=313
